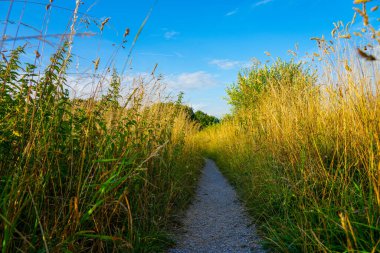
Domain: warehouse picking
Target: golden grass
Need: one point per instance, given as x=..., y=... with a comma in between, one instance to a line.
x=306, y=157
x=104, y=173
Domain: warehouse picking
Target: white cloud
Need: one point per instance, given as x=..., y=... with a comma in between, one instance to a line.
x=262, y=2
x=171, y=34
x=193, y=80
x=84, y=85
x=225, y=63
x=233, y=12
x=87, y=84
x=198, y=106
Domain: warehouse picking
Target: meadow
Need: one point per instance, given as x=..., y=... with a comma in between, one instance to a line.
x=109, y=172
x=302, y=144
x=97, y=174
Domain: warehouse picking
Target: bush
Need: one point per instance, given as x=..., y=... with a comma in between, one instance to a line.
x=252, y=83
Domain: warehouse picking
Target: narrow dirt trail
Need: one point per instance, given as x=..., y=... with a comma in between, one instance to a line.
x=216, y=221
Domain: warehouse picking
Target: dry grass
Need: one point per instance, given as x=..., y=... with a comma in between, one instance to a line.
x=95, y=174
x=305, y=156
x=103, y=173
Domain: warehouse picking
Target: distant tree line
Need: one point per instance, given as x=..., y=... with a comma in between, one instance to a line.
x=198, y=116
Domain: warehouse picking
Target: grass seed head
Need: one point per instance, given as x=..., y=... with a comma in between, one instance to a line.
x=366, y=56
x=104, y=23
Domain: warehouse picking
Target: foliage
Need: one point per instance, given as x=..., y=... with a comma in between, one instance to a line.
x=253, y=82
x=199, y=117
x=88, y=174
x=204, y=119
x=304, y=157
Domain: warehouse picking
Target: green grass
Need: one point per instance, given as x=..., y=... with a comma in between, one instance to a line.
x=97, y=174
x=303, y=150
x=106, y=173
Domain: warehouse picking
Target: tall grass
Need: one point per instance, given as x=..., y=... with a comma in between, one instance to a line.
x=303, y=150
x=104, y=173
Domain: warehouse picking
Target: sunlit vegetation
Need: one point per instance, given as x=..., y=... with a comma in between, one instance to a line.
x=302, y=146
x=107, y=172
x=96, y=174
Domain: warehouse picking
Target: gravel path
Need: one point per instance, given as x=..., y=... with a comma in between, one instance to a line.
x=216, y=221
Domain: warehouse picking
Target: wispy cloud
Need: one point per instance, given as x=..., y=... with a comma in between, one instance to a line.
x=171, y=34
x=192, y=80
x=198, y=106
x=225, y=63
x=86, y=84
x=262, y=2
x=233, y=12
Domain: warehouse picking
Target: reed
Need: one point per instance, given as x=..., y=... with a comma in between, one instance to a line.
x=103, y=173
x=302, y=146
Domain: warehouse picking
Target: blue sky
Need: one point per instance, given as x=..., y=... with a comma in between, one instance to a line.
x=199, y=45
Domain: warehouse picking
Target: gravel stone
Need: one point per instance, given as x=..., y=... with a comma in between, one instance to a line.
x=216, y=221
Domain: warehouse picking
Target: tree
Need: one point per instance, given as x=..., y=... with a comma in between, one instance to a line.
x=204, y=119
x=252, y=83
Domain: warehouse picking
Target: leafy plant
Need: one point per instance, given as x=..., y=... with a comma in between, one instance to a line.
x=88, y=174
